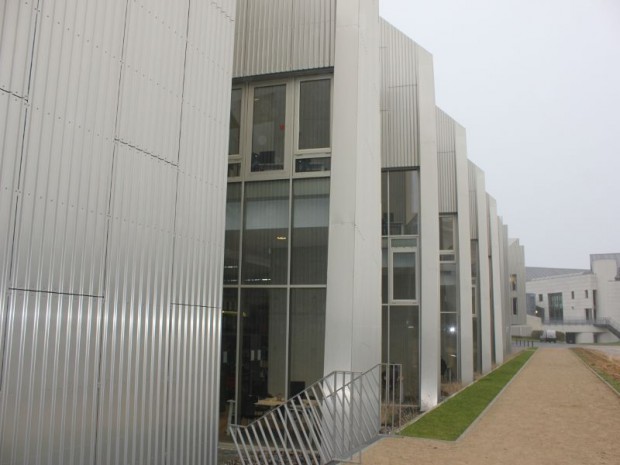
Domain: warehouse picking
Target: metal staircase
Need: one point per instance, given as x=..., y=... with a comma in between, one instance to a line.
x=610, y=325
x=330, y=421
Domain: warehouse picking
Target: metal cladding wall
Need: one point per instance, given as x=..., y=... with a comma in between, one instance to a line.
x=113, y=128
x=473, y=204
x=516, y=265
x=400, y=126
x=276, y=36
x=446, y=162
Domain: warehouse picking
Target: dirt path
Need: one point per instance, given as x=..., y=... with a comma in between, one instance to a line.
x=554, y=412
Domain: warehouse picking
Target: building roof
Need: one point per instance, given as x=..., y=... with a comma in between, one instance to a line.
x=533, y=273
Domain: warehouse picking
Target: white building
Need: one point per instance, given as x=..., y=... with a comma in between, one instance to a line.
x=583, y=303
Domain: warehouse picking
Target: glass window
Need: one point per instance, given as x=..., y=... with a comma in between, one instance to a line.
x=384, y=271
x=234, y=170
x=263, y=346
x=403, y=203
x=403, y=275
x=234, y=135
x=310, y=231
x=446, y=233
x=268, y=128
x=265, y=235
x=513, y=282
x=514, y=306
x=448, y=287
x=233, y=229
x=449, y=352
x=314, y=114
x=556, y=308
x=228, y=367
x=403, y=335
x=307, y=338
x=309, y=165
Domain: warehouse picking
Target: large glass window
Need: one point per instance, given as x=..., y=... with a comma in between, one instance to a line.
x=268, y=128
x=307, y=338
x=446, y=233
x=449, y=317
x=556, y=308
x=401, y=202
x=228, y=365
x=401, y=339
x=263, y=346
x=314, y=114
x=265, y=235
x=232, y=236
x=310, y=231
x=403, y=274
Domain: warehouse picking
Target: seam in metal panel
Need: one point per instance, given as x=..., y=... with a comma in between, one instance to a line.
x=145, y=152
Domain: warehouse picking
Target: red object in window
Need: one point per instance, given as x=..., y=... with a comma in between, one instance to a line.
x=281, y=126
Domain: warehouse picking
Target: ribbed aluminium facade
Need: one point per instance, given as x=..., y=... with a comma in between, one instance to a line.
x=114, y=121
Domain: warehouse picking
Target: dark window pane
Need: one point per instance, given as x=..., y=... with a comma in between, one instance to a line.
x=384, y=271
x=308, y=165
x=265, y=236
x=310, y=231
x=234, y=170
x=268, y=128
x=233, y=227
x=404, y=276
x=314, y=114
x=449, y=352
x=228, y=365
x=446, y=233
x=403, y=346
x=385, y=213
x=404, y=202
x=235, y=122
x=307, y=338
x=263, y=346
x=448, y=288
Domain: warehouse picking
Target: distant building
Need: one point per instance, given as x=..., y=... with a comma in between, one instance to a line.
x=584, y=303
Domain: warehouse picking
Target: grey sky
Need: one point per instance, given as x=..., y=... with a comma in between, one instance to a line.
x=537, y=86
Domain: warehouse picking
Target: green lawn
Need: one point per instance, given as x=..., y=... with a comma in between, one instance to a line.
x=453, y=417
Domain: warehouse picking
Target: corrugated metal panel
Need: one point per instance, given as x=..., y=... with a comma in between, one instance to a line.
x=16, y=31
x=48, y=410
x=399, y=110
x=96, y=180
x=135, y=331
x=275, y=36
x=152, y=94
x=67, y=149
x=194, y=386
x=473, y=204
x=446, y=163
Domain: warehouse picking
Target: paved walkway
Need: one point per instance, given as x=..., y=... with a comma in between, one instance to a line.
x=555, y=411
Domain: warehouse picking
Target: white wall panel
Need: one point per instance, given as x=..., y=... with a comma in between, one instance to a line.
x=152, y=94
x=17, y=26
x=473, y=206
x=275, y=36
x=49, y=385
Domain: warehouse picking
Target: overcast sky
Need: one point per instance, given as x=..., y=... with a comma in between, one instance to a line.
x=536, y=83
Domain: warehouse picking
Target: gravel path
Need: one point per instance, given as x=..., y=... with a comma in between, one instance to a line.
x=555, y=411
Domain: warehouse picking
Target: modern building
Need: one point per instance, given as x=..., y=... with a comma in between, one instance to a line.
x=113, y=130
x=585, y=304
x=349, y=224
x=357, y=231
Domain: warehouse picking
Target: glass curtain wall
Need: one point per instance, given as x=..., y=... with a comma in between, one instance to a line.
x=449, y=307
x=400, y=279
x=275, y=263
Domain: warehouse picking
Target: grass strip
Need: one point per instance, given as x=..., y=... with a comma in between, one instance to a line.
x=453, y=417
x=606, y=372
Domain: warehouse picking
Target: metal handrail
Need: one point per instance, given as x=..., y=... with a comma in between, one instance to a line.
x=330, y=420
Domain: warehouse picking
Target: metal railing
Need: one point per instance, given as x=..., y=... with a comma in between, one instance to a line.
x=329, y=421
x=593, y=321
